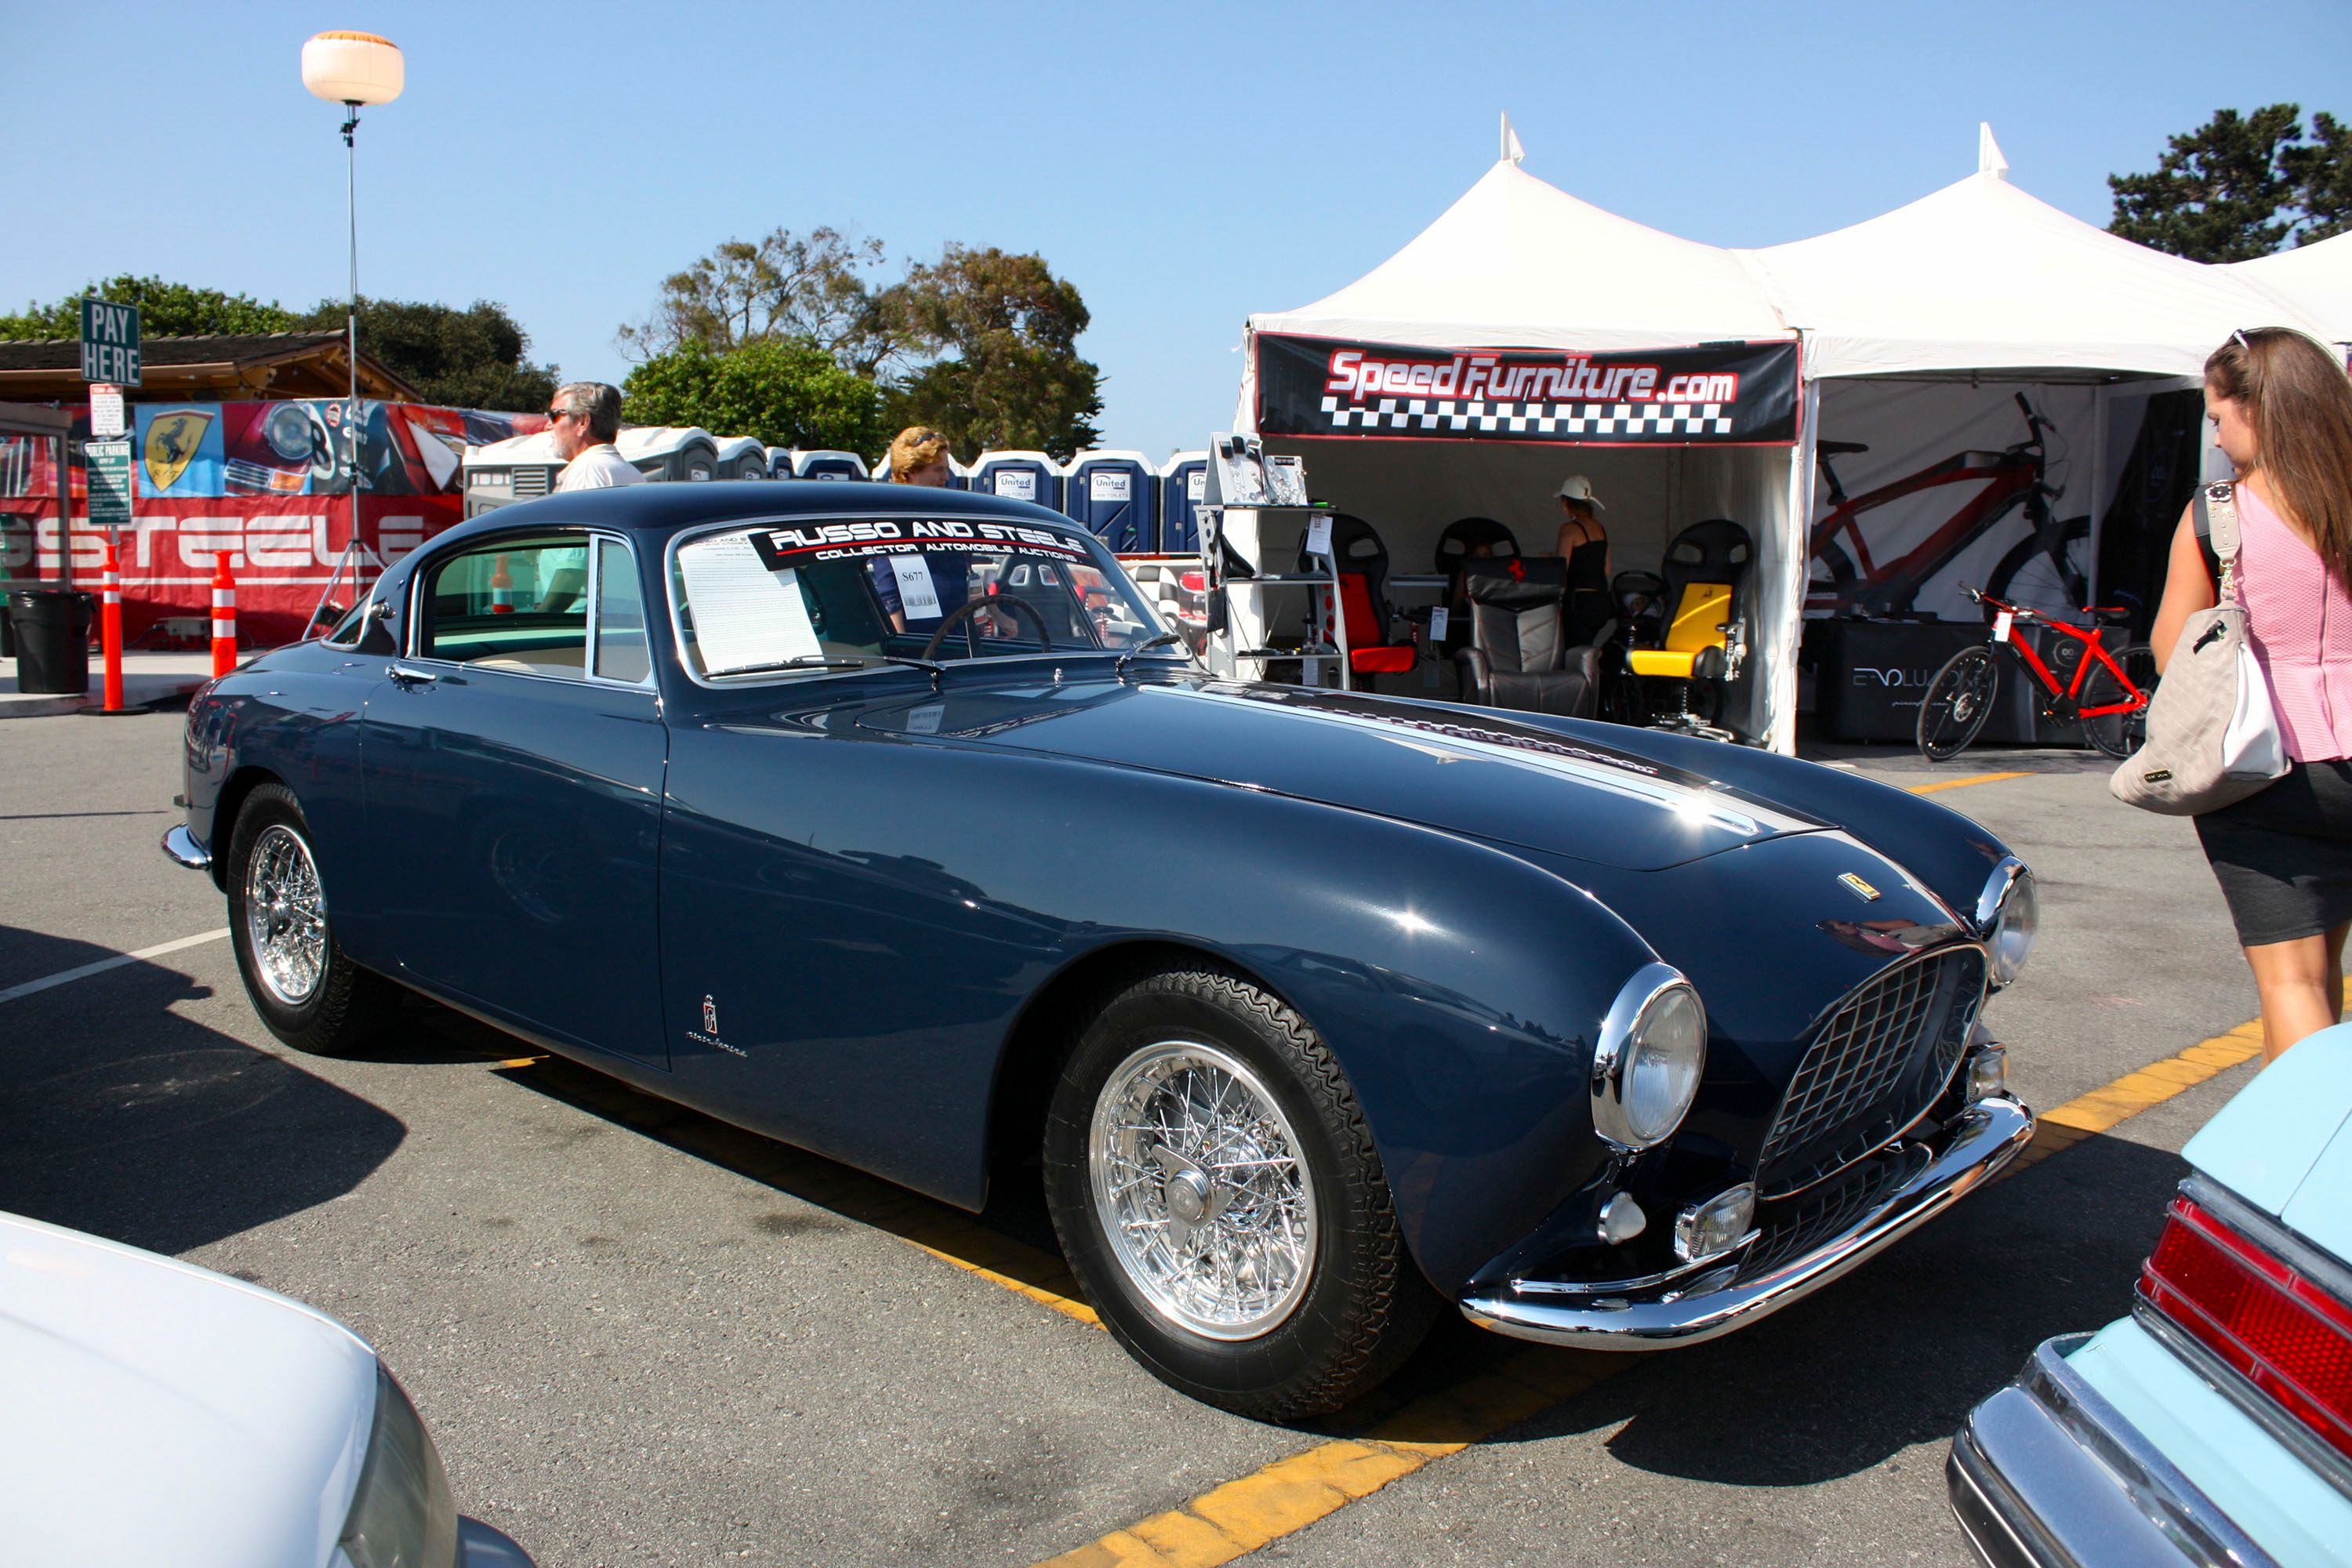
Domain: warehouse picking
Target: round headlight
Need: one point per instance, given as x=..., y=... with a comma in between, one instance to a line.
x=288, y=430
x=1646, y=1065
x=2012, y=937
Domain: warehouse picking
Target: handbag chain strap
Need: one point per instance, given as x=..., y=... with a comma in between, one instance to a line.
x=2219, y=503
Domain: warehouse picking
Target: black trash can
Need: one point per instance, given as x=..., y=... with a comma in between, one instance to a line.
x=52, y=628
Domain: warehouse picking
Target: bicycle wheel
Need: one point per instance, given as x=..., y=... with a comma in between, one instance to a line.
x=2119, y=734
x=1957, y=703
x=2043, y=574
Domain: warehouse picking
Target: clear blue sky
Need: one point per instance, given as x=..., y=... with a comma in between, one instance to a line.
x=1183, y=166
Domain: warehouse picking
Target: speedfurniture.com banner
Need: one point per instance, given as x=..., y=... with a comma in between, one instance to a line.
x=1717, y=395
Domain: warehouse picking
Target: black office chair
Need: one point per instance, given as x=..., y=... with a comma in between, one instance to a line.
x=1706, y=572
x=1519, y=655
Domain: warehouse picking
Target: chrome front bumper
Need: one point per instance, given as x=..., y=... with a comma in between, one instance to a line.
x=1703, y=1304
x=2047, y=1474
x=179, y=847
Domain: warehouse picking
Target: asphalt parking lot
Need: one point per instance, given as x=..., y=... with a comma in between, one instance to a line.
x=642, y=1337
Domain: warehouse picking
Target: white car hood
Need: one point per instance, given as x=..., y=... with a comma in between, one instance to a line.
x=155, y=1412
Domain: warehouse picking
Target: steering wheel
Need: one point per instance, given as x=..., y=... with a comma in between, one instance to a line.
x=970, y=607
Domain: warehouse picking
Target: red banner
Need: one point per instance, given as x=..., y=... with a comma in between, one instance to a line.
x=282, y=551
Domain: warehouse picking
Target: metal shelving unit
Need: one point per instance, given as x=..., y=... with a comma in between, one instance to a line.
x=1328, y=579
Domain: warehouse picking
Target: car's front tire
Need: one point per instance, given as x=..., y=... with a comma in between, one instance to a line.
x=1218, y=1198
x=308, y=994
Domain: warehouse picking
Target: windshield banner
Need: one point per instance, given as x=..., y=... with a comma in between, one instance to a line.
x=1733, y=394
x=801, y=544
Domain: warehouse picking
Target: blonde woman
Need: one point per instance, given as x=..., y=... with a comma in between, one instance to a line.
x=2281, y=411
x=919, y=455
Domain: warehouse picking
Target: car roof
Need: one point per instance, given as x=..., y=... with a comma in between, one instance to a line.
x=668, y=506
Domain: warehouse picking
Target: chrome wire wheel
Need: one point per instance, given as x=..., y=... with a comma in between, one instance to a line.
x=284, y=915
x=1200, y=1187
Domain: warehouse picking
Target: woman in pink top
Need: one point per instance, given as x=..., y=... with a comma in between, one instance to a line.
x=2281, y=411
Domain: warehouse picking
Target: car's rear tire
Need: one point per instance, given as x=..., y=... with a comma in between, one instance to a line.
x=308, y=994
x=1196, y=1106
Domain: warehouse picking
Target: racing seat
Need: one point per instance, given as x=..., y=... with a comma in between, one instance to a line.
x=1465, y=541
x=1517, y=655
x=1705, y=572
x=1364, y=610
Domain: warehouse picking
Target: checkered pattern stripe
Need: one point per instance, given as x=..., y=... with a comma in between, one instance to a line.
x=1656, y=421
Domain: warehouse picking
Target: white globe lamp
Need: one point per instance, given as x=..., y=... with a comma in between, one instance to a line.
x=353, y=68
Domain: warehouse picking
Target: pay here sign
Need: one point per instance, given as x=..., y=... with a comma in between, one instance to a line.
x=110, y=342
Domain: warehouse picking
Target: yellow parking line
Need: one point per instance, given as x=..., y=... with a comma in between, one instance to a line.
x=1286, y=1496
x=1963, y=783
x=2105, y=1107
x=1234, y=1520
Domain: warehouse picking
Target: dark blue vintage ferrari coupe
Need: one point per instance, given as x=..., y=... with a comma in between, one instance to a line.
x=889, y=823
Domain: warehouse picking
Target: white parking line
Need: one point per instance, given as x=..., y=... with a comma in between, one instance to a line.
x=103, y=964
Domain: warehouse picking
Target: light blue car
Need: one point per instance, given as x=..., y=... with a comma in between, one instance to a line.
x=2214, y=1425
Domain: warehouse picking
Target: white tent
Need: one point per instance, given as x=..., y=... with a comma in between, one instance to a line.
x=1921, y=327
x=2315, y=280
x=1520, y=262
x=1516, y=263
x=1980, y=276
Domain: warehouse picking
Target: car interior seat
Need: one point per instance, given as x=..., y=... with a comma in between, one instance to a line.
x=1706, y=572
x=1364, y=610
x=1517, y=654
x=1467, y=539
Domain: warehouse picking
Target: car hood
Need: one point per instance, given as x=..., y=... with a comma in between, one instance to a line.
x=1577, y=794
x=2283, y=1143
x=161, y=1413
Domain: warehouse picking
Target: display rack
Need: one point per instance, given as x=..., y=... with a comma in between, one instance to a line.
x=1213, y=554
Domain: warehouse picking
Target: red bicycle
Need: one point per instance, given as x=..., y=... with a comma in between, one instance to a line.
x=2047, y=568
x=2107, y=694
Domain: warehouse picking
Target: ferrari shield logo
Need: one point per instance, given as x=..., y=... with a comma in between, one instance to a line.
x=709, y=1016
x=1862, y=890
x=171, y=442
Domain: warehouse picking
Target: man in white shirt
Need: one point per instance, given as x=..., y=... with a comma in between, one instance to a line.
x=582, y=421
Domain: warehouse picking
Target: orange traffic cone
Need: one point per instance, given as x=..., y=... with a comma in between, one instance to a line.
x=109, y=627
x=224, y=617
x=502, y=594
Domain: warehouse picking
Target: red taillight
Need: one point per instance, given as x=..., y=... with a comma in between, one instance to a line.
x=2290, y=1338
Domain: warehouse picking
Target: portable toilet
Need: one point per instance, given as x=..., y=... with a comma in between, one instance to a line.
x=825, y=463
x=1023, y=476
x=780, y=462
x=1116, y=496
x=1183, y=479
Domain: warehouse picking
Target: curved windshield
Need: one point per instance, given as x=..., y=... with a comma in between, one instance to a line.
x=829, y=593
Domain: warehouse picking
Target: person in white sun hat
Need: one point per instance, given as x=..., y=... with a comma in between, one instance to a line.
x=1586, y=545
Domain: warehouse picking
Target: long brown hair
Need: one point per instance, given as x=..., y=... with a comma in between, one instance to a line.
x=2299, y=401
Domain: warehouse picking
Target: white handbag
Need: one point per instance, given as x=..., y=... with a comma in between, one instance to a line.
x=2212, y=733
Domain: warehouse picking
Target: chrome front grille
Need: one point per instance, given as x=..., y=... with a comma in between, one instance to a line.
x=1873, y=1067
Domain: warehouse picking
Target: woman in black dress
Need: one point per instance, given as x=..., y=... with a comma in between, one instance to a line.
x=1585, y=543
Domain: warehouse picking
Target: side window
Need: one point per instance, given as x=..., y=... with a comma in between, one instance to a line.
x=517, y=604
x=621, y=650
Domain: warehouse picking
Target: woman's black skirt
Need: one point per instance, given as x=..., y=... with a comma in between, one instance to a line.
x=2284, y=856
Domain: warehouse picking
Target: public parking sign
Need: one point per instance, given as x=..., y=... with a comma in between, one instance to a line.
x=109, y=470
x=110, y=342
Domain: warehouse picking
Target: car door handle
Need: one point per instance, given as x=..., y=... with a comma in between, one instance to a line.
x=407, y=675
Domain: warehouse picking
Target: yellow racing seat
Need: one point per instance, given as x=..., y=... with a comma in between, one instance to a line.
x=1705, y=609
x=1706, y=572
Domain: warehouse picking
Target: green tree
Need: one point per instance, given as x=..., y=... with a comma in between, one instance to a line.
x=2322, y=179
x=1004, y=371
x=166, y=311
x=786, y=394
x=472, y=358
x=2240, y=186
x=785, y=288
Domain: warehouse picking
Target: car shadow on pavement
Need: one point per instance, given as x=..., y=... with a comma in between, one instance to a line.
x=1011, y=1237
x=1897, y=1352
x=121, y=1118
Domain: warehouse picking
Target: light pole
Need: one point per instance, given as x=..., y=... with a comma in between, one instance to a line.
x=352, y=70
